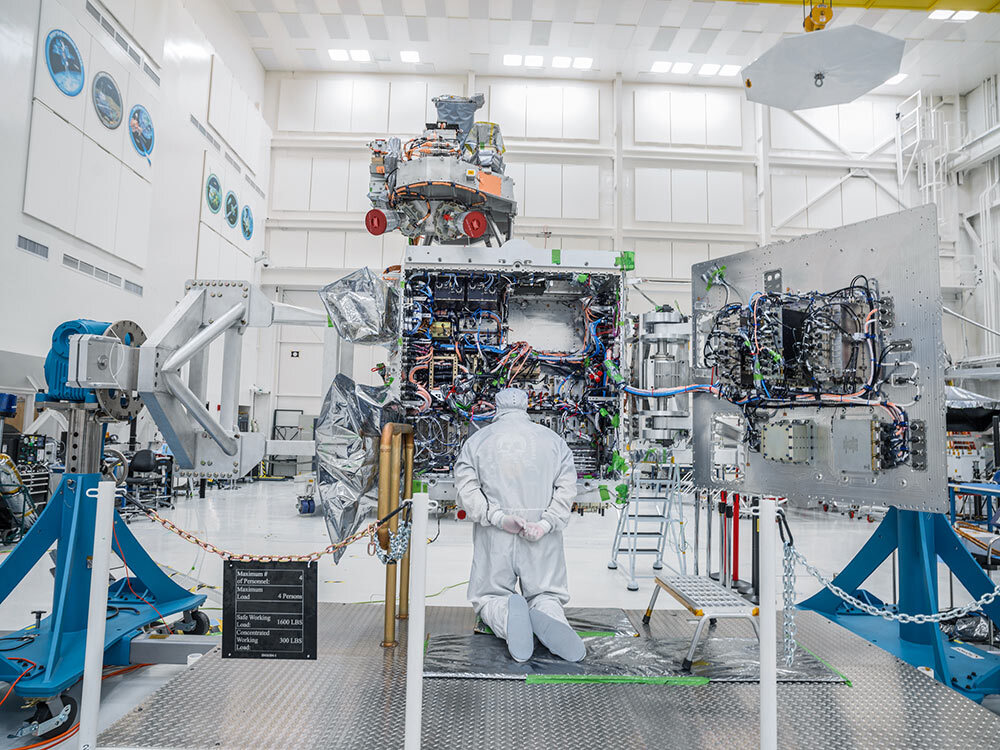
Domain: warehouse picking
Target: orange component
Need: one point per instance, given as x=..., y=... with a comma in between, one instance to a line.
x=379, y=170
x=489, y=183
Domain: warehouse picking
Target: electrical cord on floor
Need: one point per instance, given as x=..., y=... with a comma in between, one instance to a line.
x=429, y=596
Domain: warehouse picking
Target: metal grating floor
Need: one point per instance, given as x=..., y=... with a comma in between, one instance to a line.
x=352, y=696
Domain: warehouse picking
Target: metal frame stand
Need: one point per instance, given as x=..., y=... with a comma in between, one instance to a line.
x=56, y=645
x=922, y=539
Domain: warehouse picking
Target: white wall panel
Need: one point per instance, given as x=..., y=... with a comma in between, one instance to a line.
x=826, y=212
x=724, y=119
x=97, y=205
x=140, y=93
x=325, y=249
x=543, y=105
x=208, y=253
x=857, y=131
x=228, y=253
x=406, y=101
x=516, y=173
x=237, y=133
x=689, y=196
x=71, y=108
x=725, y=192
x=787, y=197
x=652, y=258
x=858, y=196
x=393, y=247
x=52, y=183
x=651, y=110
x=287, y=247
x=580, y=191
x=297, y=104
x=827, y=121
x=581, y=113
x=687, y=118
x=333, y=105
x=300, y=375
x=884, y=121
x=788, y=134
x=543, y=190
x=329, y=184
x=135, y=204
x=220, y=100
x=362, y=249
x=652, y=194
x=111, y=141
x=370, y=108
x=290, y=184
x=150, y=25
x=685, y=255
x=213, y=164
x=507, y=107
x=357, y=185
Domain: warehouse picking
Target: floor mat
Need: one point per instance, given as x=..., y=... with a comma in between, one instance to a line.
x=718, y=659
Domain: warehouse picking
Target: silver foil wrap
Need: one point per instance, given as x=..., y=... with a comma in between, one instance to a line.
x=347, y=435
x=363, y=308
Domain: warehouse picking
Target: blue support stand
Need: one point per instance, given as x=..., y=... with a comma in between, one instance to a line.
x=922, y=539
x=57, y=645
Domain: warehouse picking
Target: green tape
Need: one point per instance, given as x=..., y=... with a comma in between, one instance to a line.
x=329, y=322
x=595, y=633
x=559, y=679
x=605, y=494
x=556, y=256
x=828, y=665
x=626, y=260
x=582, y=278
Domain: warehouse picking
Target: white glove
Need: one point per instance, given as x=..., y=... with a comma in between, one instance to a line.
x=535, y=531
x=510, y=524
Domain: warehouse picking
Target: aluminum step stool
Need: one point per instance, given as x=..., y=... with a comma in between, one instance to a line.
x=707, y=600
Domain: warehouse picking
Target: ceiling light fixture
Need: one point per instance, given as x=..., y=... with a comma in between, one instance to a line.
x=964, y=15
x=533, y=61
x=729, y=70
x=339, y=55
x=512, y=61
x=361, y=55
x=898, y=78
x=660, y=66
x=561, y=61
x=682, y=68
x=708, y=69
x=941, y=15
x=583, y=63
x=409, y=56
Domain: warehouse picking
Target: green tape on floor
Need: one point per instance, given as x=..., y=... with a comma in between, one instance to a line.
x=556, y=679
x=828, y=665
x=595, y=633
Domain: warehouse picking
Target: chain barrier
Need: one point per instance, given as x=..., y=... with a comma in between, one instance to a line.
x=398, y=544
x=788, y=605
x=368, y=531
x=888, y=614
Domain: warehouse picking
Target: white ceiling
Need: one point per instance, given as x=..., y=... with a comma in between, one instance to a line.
x=626, y=36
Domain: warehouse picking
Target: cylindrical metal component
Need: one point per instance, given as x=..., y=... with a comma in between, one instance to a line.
x=379, y=222
x=755, y=553
x=389, y=634
x=723, y=541
x=473, y=224
x=84, y=440
x=736, y=536
x=232, y=353
x=697, y=529
x=415, y=632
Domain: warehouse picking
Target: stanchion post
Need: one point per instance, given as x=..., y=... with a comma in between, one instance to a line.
x=415, y=628
x=768, y=626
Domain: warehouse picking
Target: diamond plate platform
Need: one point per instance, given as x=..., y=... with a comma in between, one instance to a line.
x=353, y=695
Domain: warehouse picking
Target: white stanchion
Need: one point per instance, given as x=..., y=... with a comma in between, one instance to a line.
x=768, y=626
x=97, y=616
x=415, y=629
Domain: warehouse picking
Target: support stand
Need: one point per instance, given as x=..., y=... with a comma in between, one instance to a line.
x=922, y=539
x=56, y=645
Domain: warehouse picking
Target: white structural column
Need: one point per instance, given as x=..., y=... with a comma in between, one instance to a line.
x=415, y=631
x=93, y=665
x=768, y=627
x=763, y=128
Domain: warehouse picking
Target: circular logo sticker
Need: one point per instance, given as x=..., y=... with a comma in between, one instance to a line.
x=140, y=129
x=213, y=193
x=232, y=209
x=107, y=100
x=64, y=61
x=246, y=222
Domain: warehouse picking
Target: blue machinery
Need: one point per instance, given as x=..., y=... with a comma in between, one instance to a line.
x=45, y=659
x=922, y=538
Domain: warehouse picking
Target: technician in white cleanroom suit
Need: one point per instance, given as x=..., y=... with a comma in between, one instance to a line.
x=517, y=482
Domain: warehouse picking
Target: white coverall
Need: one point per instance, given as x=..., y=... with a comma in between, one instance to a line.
x=516, y=467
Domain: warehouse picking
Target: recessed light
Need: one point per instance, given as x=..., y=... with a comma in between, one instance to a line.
x=339, y=55
x=660, y=66
x=729, y=70
x=361, y=55
x=682, y=67
x=941, y=15
x=964, y=15
x=533, y=61
x=583, y=63
x=512, y=60
x=409, y=56
x=561, y=61
x=898, y=78
x=708, y=69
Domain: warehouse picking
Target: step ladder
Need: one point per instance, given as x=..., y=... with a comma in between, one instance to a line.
x=707, y=600
x=651, y=520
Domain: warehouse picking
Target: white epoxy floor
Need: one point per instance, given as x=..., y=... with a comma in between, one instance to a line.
x=262, y=518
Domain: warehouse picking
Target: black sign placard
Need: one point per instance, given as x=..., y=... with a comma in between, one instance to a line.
x=269, y=610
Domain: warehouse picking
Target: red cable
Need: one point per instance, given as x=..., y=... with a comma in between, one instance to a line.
x=11, y=688
x=128, y=581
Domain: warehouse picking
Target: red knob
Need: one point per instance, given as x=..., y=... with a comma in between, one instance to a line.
x=474, y=224
x=461, y=515
x=376, y=222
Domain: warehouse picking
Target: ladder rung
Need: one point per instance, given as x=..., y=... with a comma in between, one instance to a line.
x=641, y=533
x=640, y=551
